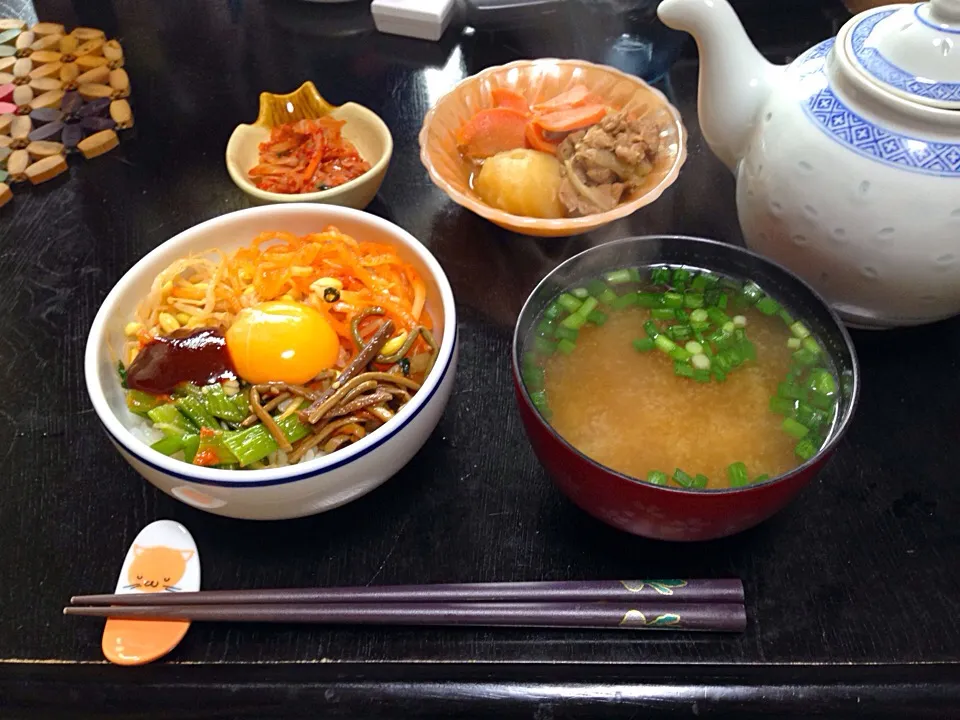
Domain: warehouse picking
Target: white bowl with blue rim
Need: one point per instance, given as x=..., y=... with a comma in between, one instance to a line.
x=297, y=490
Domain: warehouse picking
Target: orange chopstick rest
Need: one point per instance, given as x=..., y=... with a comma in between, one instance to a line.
x=162, y=559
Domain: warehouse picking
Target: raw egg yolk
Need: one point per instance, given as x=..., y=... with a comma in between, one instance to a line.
x=281, y=342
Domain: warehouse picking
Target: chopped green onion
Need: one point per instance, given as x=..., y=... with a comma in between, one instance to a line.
x=819, y=400
x=568, y=302
x=799, y=330
x=679, y=333
x=810, y=416
x=761, y=478
x=748, y=350
x=700, y=481
x=719, y=375
x=651, y=328
x=544, y=346
x=589, y=305
x=664, y=343
x=740, y=321
x=545, y=327
x=731, y=284
x=597, y=317
x=662, y=314
x=737, y=474
x=682, y=479
x=529, y=360
x=711, y=297
x=643, y=344
x=539, y=400
x=574, y=321
x=141, y=403
x=533, y=378
x=625, y=301
x=655, y=477
x=810, y=343
x=793, y=343
x=782, y=405
x=122, y=372
x=700, y=361
x=729, y=327
x=660, y=276
x=552, y=312
x=793, y=427
x=649, y=300
x=678, y=353
x=805, y=449
x=718, y=316
x=683, y=369
x=692, y=299
x=693, y=347
x=564, y=333
x=580, y=293
x=822, y=381
x=720, y=361
x=804, y=357
x=566, y=347
x=672, y=299
x=701, y=375
x=596, y=287
x=709, y=279
x=786, y=317
x=618, y=277
x=607, y=297
x=699, y=315
x=791, y=391
x=699, y=326
x=722, y=302
x=681, y=315
x=751, y=293
x=768, y=306
x=634, y=275
x=681, y=277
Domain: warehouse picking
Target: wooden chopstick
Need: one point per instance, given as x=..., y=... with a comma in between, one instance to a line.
x=668, y=591
x=715, y=617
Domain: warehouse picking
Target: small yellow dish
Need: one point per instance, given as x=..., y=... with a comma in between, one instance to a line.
x=363, y=127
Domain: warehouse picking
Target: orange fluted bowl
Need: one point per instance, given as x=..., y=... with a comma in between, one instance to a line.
x=537, y=81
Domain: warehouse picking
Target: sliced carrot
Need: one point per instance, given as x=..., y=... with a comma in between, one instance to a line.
x=572, y=118
x=574, y=97
x=510, y=99
x=537, y=140
x=492, y=131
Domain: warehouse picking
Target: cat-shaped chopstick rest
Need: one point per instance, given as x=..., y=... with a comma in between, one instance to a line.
x=163, y=558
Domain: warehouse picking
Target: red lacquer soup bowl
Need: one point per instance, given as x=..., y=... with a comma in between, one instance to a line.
x=665, y=512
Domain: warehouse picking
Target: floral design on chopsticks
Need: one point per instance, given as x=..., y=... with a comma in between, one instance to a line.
x=637, y=618
x=662, y=587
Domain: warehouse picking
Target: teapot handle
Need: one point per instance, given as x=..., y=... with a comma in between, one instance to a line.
x=945, y=11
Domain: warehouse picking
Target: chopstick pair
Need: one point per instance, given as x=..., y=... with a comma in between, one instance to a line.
x=704, y=605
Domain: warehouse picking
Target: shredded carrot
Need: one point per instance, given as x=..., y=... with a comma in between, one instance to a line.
x=306, y=156
x=280, y=264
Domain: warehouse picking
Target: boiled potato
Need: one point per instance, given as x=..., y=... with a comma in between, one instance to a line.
x=521, y=182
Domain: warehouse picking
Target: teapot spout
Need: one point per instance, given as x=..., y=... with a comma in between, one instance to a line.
x=735, y=79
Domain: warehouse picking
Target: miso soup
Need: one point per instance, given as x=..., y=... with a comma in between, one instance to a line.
x=681, y=377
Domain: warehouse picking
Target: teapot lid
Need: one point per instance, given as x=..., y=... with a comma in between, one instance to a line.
x=912, y=51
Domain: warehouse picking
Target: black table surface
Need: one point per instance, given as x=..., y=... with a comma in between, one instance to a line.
x=852, y=591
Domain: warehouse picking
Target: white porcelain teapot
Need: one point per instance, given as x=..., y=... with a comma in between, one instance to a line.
x=848, y=159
